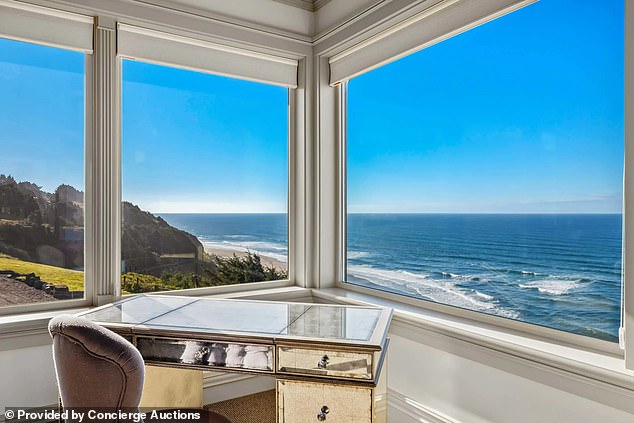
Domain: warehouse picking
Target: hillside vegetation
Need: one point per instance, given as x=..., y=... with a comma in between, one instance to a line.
x=225, y=271
x=42, y=233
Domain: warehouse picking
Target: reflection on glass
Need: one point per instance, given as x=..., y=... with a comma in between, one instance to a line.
x=213, y=354
x=239, y=316
x=205, y=180
x=41, y=173
x=138, y=310
x=353, y=323
x=262, y=317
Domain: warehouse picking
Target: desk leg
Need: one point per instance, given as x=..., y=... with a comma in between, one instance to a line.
x=167, y=387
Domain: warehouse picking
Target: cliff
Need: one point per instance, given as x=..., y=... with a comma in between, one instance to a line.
x=151, y=246
x=47, y=228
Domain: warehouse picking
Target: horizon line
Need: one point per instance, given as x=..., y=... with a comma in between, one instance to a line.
x=428, y=213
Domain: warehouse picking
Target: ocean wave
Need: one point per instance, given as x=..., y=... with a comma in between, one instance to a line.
x=443, y=291
x=266, y=249
x=484, y=296
x=553, y=286
x=515, y=271
x=449, y=275
x=353, y=255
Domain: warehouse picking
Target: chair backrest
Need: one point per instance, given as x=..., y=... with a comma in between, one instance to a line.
x=95, y=367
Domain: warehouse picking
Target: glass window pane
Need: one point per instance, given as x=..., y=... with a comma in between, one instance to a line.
x=205, y=179
x=485, y=172
x=41, y=173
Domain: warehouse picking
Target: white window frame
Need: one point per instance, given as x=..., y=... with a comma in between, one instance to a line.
x=295, y=138
x=20, y=20
x=338, y=95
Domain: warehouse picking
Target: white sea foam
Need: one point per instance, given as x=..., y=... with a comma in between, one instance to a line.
x=439, y=290
x=484, y=296
x=552, y=286
x=267, y=249
x=352, y=255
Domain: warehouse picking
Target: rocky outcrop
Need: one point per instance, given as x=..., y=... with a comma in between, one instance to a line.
x=39, y=226
x=151, y=246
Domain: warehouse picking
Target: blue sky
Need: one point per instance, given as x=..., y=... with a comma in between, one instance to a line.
x=524, y=114
x=197, y=143
x=41, y=114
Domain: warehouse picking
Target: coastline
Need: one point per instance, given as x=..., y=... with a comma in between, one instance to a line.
x=266, y=260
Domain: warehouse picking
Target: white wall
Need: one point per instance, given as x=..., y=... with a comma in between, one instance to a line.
x=27, y=377
x=429, y=384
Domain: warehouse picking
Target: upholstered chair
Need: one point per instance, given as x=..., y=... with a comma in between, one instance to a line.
x=97, y=368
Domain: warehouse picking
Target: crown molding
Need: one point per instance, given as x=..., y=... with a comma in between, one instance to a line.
x=318, y=4
x=310, y=5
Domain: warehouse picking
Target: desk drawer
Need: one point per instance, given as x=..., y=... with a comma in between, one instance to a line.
x=305, y=402
x=328, y=363
x=206, y=353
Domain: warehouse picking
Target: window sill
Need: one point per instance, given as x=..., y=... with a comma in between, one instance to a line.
x=29, y=329
x=522, y=352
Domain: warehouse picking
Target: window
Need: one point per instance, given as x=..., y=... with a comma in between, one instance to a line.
x=485, y=172
x=204, y=179
x=41, y=173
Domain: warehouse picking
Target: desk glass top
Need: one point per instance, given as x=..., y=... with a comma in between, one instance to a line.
x=320, y=322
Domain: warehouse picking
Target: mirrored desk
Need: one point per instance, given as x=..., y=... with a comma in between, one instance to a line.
x=327, y=359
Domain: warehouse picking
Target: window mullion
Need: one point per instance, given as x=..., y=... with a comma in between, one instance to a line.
x=103, y=209
x=627, y=314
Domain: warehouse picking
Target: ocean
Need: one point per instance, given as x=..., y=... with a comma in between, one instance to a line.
x=554, y=270
x=266, y=234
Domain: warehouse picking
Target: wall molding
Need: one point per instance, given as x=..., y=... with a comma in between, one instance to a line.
x=310, y=5
x=404, y=407
x=302, y=4
x=187, y=21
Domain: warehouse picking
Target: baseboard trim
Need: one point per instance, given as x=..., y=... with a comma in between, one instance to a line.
x=402, y=405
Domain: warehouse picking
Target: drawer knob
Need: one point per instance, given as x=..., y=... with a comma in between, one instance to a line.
x=323, y=363
x=321, y=416
x=201, y=353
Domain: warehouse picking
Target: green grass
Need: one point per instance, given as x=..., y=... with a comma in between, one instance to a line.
x=73, y=279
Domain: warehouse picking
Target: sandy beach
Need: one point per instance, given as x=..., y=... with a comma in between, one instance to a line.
x=266, y=261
